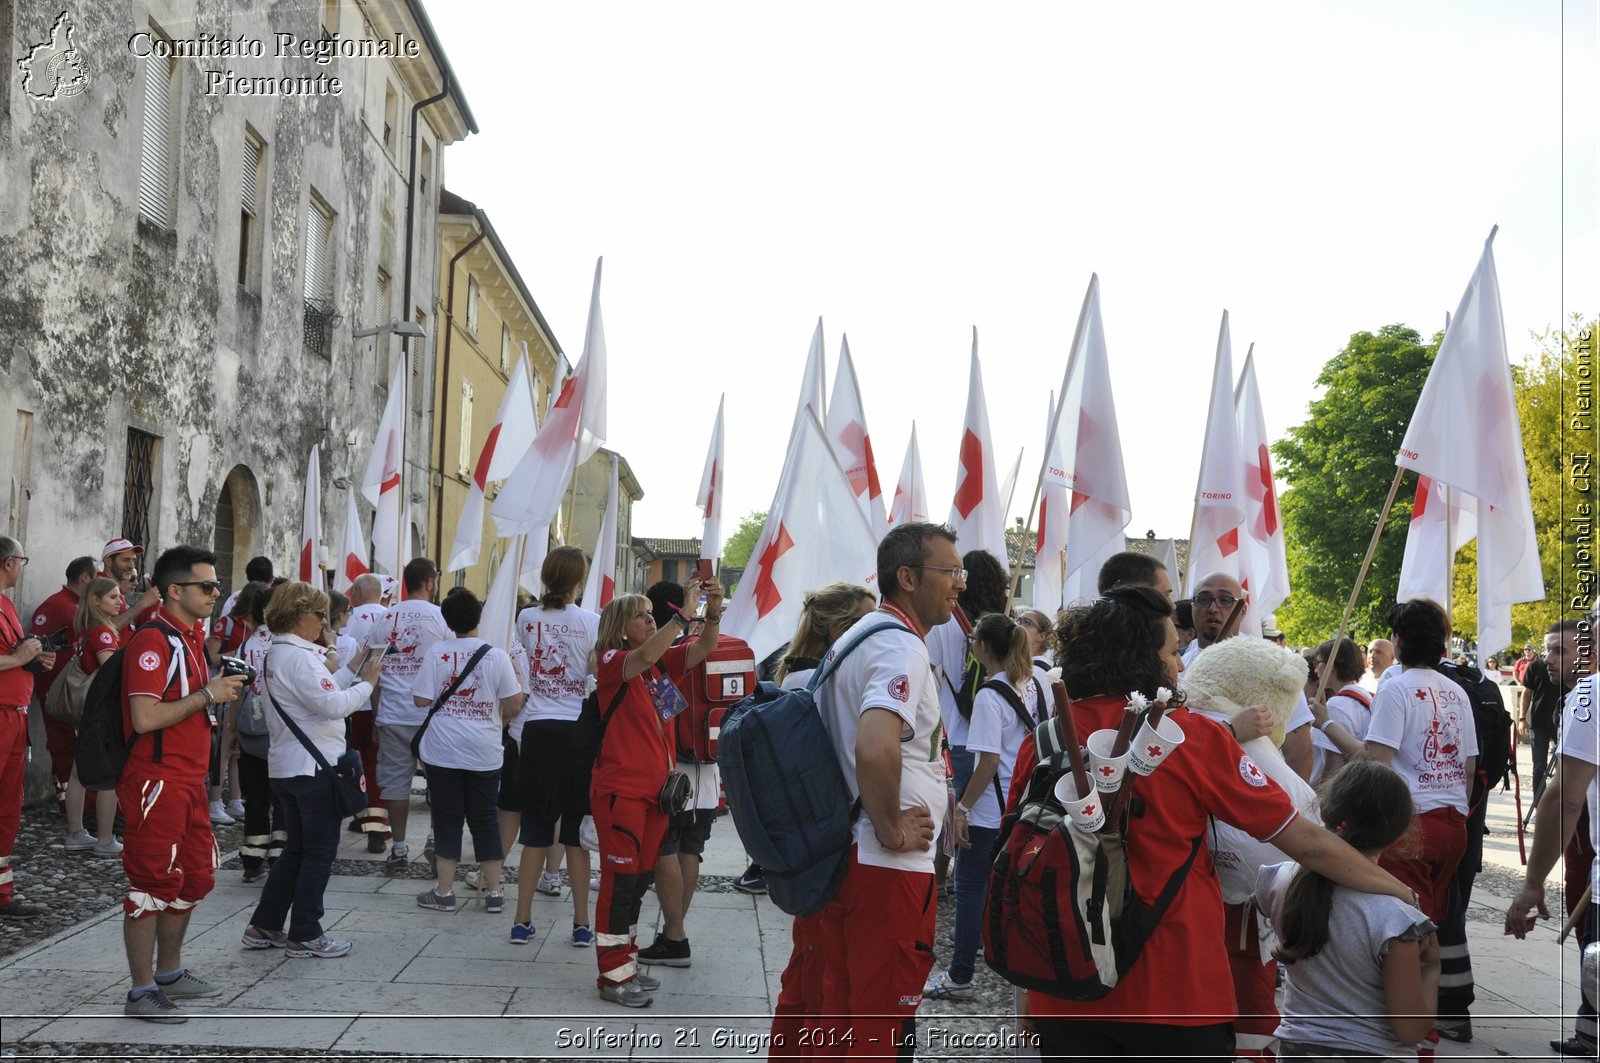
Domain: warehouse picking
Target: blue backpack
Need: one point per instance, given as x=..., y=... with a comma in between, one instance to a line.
x=788, y=796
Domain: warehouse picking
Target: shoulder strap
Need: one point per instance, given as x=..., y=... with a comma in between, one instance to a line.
x=455, y=684
x=1009, y=694
x=1356, y=694
x=1038, y=700
x=294, y=728
x=1047, y=742
x=605, y=718
x=826, y=669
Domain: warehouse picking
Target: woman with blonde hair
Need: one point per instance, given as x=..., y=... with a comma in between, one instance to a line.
x=97, y=640
x=825, y=614
x=636, y=669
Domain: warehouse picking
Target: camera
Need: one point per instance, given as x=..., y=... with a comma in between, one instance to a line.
x=232, y=666
x=59, y=642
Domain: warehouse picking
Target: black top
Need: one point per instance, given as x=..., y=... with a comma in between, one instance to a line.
x=1546, y=701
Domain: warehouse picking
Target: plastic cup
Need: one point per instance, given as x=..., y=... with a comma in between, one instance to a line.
x=1106, y=770
x=1152, y=745
x=1088, y=814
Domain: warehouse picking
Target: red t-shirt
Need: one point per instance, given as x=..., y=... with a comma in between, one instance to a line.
x=16, y=684
x=101, y=637
x=149, y=668
x=53, y=614
x=231, y=633
x=635, y=754
x=1182, y=976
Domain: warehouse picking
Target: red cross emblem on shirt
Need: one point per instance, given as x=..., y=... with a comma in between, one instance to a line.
x=1422, y=695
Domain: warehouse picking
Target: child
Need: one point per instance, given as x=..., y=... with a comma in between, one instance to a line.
x=1362, y=969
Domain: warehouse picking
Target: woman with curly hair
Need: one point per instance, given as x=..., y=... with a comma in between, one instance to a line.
x=1171, y=998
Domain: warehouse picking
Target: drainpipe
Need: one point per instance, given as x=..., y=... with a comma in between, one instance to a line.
x=444, y=392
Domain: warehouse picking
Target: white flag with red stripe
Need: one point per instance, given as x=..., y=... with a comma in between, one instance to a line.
x=815, y=533
x=510, y=436
x=381, y=484
x=353, y=555
x=1050, y=540
x=498, y=624
x=977, y=513
x=910, y=502
x=710, y=497
x=1214, y=542
x=1466, y=433
x=601, y=586
x=311, y=524
x=574, y=429
x=1429, y=561
x=1269, y=563
x=847, y=431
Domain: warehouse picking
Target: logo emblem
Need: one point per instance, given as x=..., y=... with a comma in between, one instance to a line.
x=149, y=660
x=900, y=688
x=327, y=684
x=54, y=68
x=1250, y=773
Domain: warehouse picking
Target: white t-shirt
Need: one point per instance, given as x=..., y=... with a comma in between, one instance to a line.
x=889, y=671
x=1349, y=713
x=558, y=642
x=465, y=732
x=410, y=628
x=997, y=729
x=947, y=652
x=362, y=617
x=1580, y=740
x=347, y=648
x=254, y=651
x=1427, y=720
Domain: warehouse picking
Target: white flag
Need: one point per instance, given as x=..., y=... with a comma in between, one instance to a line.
x=1050, y=541
x=815, y=533
x=1269, y=564
x=311, y=524
x=353, y=556
x=910, y=503
x=498, y=623
x=1429, y=561
x=1008, y=486
x=381, y=484
x=601, y=585
x=574, y=429
x=813, y=385
x=847, y=431
x=977, y=513
x=710, y=497
x=1167, y=554
x=1466, y=433
x=1219, y=493
x=509, y=438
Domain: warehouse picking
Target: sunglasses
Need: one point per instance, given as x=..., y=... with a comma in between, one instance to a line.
x=209, y=586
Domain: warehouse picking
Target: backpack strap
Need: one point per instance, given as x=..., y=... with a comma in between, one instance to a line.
x=1009, y=694
x=1355, y=693
x=1041, y=708
x=826, y=669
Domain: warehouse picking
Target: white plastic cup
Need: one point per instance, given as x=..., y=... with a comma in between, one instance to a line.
x=1106, y=770
x=1088, y=814
x=1152, y=745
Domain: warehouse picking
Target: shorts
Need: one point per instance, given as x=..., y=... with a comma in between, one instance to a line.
x=169, y=852
x=550, y=786
x=396, y=765
x=688, y=832
x=506, y=799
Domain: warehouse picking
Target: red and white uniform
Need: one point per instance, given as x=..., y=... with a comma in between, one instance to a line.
x=230, y=633
x=374, y=819
x=169, y=854
x=101, y=638
x=56, y=613
x=16, y=687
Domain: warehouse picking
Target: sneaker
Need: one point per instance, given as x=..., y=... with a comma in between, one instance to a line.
x=376, y=841
x=108, y=848
x=549, y=884
x=253, y=874
x=20, y=909
x=256, y=938
x=494, y=902
x=188, y=984
x=521, y=933
x=354, y=826
x=1576, y=1045
x=594, y=882
x=666, y=952
x=219, y=815
x=943, y=987
x=582, y=937
x=439, y=902
x=471, y=879
x=753, y=881
x=1459, y=1030
x=646, y=983
x=629, y=994
x=323, y=948
x=395, y=863
x=235, y=808
x=80, y=842
x=153, y=1006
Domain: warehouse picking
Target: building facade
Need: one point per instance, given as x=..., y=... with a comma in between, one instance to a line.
x=590, y=487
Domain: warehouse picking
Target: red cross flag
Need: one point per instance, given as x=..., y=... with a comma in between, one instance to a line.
x=847, y=431
x=311, y=523
x=1425, y=570
x=710, y=497
x=977, y=513
x=1219, y=493
x=381, y=484
x=353, y=555
x=509, y=438
x=601, y=585
x=815, y=534
x=910, y=503
x=1269, y=563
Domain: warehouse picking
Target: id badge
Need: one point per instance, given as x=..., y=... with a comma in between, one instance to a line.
x=669, y=700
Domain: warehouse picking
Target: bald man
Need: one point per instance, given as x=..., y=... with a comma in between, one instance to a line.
x=1380, y=655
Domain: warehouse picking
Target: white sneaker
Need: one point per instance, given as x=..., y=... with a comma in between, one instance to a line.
x=109, y=847
x=594, y=882
x=219, y=815
x=235, y=808
x=942, y=987
x=549, y=884
x=80, y=842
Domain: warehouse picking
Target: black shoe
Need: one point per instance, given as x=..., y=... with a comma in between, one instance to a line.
x=1458, y=1030
x=754, y=880
x=1575, y=1046
x=666, y=952
x=376, y=841
x=355, y=825
x=253, y=874
x=17, y=908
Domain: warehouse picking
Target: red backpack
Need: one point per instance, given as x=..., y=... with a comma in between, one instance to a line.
x=727, y=677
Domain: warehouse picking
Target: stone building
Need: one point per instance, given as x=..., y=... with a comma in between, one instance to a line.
x=193, y=241
x=591, y=484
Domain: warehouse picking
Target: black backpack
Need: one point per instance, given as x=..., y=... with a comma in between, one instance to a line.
x=971, y=680
x=1492, y=722
x=103, y=743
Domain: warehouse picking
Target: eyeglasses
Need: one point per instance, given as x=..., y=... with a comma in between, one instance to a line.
x=320, y=616
x=14, y=557
x=958, y=574
x=1206, y=601
x=208, y=586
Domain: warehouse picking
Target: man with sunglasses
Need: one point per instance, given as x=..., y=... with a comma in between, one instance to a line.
x=18, y=651
x=171, y=703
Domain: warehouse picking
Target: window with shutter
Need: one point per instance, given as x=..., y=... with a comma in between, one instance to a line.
x=391, y=115
x=318, y=282
x=464, y=461
x=251, y=191
x=157, y=149
x=380, y=309
x=472, y=305
x=505, y=348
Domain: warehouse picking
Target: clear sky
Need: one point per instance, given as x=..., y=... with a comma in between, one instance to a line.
x=910, y=170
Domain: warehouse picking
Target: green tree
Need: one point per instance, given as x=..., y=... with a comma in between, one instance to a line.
x=736, y=549
x=1338, y=466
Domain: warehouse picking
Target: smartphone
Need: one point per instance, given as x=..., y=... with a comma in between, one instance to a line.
x=702, y=571
x=700, y=609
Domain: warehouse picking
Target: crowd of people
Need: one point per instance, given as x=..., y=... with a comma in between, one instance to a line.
x=319, y=710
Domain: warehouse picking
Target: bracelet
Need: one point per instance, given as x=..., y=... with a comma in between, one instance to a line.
x=1325, y=724
x=211, y=699
x=896, y=848
x=963, y=809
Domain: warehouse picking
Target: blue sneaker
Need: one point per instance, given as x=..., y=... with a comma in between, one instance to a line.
x=439, y=902
x=521, y=933
x=582, y=937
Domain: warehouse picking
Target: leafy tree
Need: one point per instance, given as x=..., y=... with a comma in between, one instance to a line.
x=1338, y=466
x=736, y=549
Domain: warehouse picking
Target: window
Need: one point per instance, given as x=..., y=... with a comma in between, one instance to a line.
x=418, y=356
x=318, y=282
x=464, y=453
x=380, y=308
x=252, y=187
x=473, y=292
x=505, y=348
x=157, y=149
x=138, y=487
x=669, y=570
x=391, y=117
x=424, y=168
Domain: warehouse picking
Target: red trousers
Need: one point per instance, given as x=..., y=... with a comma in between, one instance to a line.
x=1426, y=859
x=630, y=830
x=374, y=819
x=61, y=741
x=13, y=761
x=169, y=852
x=877, y=951
x=797, y=1014
x=1255, y=984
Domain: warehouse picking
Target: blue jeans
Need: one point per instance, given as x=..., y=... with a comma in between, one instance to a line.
x=459, y=796
x=961, y=765
x=972, y=889
x=300, y=876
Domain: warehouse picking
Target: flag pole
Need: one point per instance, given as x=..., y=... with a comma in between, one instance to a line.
x=1449, y=534
x=572, y=500
x=1355, y=591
